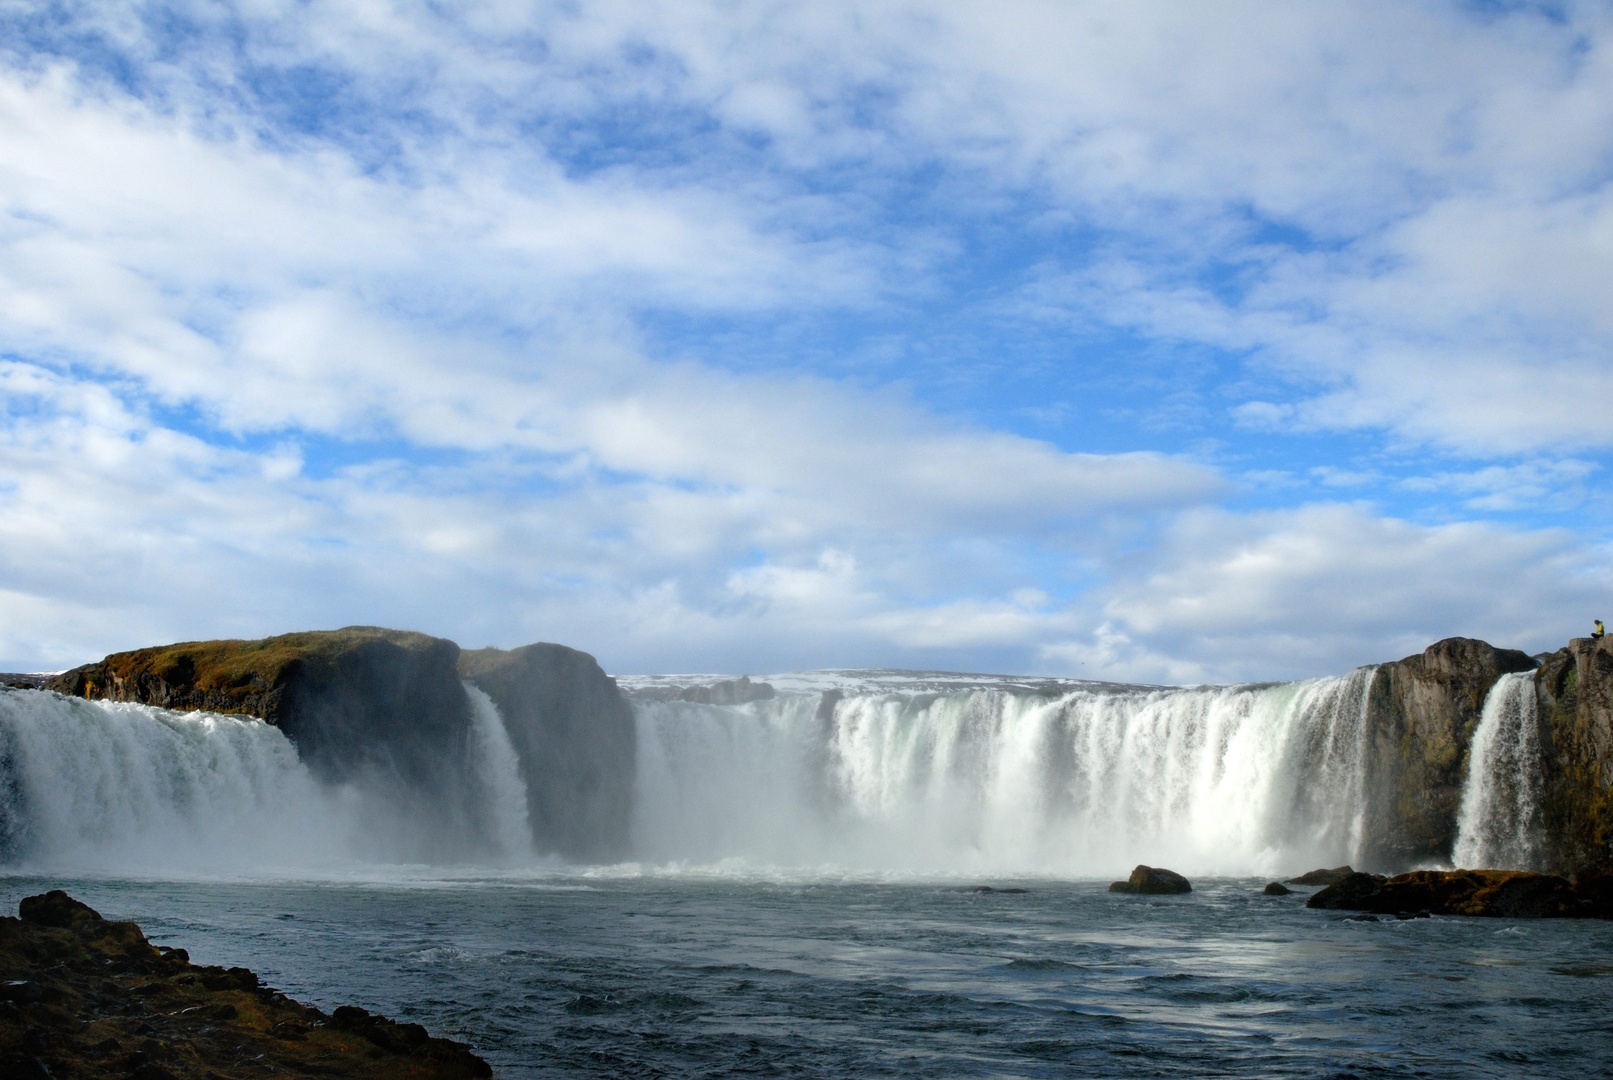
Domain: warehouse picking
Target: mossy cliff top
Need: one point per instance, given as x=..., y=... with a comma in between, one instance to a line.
x=236, y=676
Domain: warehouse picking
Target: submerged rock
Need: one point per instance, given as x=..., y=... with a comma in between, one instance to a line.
x=1153, y=881
x=1511, y=894
x=88, y=997
x=1322, y=877
x=1277, y=888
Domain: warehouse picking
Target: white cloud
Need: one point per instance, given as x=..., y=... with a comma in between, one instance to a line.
x=1397, y=217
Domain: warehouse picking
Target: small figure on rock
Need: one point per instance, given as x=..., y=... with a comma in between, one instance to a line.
x=1598, y=632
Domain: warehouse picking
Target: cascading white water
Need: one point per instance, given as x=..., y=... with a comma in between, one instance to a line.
x=1499, y=826
x=1231, y=779
x=499, y=773
x=104, y=785
x=97, y=785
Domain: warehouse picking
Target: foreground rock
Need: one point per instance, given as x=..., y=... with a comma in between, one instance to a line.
x=1322, y=877
x=84, y=997
x=1153, y=881
x=1509, y=894
x=1277, y=888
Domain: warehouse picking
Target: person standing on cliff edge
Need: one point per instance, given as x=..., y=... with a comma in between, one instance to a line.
x=1598, y=632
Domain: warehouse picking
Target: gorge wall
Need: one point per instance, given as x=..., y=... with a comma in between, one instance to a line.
x=1575, y=691
x=1376, y=767
x=388, y=709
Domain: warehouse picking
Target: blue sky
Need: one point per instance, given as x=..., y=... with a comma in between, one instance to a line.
x=1138, y=341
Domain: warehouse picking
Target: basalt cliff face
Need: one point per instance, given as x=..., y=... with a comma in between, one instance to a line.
x=1421, y=715
x=1575, y=690
x=388, y=708
x=356, y=699
x=573, y=732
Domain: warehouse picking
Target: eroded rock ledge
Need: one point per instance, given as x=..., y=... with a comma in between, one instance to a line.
x=1508, y=894
x=81, y=996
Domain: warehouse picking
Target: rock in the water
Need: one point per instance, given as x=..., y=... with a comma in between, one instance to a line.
x=76, y=973
x=1153, y=881
x=1277, y=888
x=1322, y=877
x=1510, y=894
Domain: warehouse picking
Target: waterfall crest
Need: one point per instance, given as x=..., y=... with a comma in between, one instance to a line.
x=1207, y=780
x=1499, y=825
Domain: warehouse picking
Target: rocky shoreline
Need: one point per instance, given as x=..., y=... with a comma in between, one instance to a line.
x=82, y=996
x=1506, y=894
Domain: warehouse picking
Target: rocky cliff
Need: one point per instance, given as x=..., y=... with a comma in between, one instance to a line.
x=388, y=708
x=356, y=699
x=1421, y=714
x=1575, y=690
x=574, y=734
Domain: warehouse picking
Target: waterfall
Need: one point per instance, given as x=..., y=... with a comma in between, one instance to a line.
x=1499, y=826
x=1225, y=779
x=104, y=785
x=499, y=772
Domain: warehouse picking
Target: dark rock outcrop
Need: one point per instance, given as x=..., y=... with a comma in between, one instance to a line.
x=1152, y=881
x=352, y=698
x=724, y=692
x=576, y=739
x=1575, y=690
x=1508, y=894
x=1322, y=877
x=1421, y=715
x=81, y=996
x=381, y=708
x=1277, y=888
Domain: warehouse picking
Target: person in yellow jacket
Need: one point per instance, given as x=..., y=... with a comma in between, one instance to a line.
x=1598, y=632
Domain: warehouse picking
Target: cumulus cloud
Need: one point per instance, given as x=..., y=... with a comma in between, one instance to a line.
x=519, y=320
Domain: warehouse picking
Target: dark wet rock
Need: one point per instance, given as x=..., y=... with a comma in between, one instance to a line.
x=213, y=1022
x=574, y=734
x=1493, y=893
x=1277, y=888
x=1011, y=890
x=1152, y=881
x=1322, y=877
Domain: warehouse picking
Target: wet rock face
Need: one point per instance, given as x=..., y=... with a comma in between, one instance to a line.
x=1575, y=690
x=1277, y=888
x=1492, y=893
x=1322, y=877
x=81, y=996
x=1420, y=718
x=1153, y=881
x=575, y=736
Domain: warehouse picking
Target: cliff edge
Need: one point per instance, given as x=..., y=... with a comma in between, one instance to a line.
x=574, y=734
x=1421, y=714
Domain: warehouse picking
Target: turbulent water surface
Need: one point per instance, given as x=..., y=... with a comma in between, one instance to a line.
x=807, y=895
x=614, y=975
